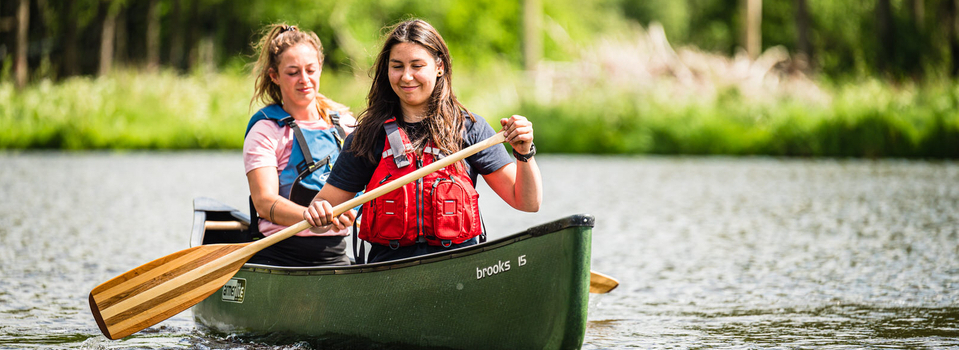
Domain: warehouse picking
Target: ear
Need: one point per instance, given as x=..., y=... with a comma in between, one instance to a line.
x=273, y=76
x=440, y=69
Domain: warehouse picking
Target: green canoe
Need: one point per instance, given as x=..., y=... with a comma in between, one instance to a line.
x=525, y=291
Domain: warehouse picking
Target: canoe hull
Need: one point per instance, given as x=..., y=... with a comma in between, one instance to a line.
x=525, y=291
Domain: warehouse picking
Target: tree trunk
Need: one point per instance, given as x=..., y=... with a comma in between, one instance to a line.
x=917, y=10
x=120, y=54
x=952, y=34
x=885, y=29
x=69, y=63
x=23, y=24
x=802, y=28
x=754, y=35
x=176, y=36
x=532, y=33
x=153, y=36
x=107, y=37
x=192, y=35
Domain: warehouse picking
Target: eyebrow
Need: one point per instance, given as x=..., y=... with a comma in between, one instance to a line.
x=393, y=60
x=311, y=65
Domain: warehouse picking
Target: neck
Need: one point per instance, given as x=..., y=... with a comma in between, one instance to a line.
x=307, y=113
x=413, y=115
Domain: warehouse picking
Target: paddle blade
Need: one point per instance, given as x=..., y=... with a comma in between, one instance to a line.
x=164, y=287
x=600, y=283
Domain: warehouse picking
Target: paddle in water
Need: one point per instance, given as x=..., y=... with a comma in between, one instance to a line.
x=169, y=285
x=600, y=283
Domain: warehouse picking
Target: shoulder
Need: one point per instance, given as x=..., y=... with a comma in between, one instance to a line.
x=476, y=131
x=347, y=119
x=265, y=128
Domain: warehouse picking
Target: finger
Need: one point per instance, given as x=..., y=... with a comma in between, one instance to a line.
x=328, y=212
x=341, y=222
x=309, y=215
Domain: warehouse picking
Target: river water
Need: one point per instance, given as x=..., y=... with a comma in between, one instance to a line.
x=710, y=252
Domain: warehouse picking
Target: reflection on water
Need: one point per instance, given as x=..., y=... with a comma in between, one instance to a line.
x=710, y=252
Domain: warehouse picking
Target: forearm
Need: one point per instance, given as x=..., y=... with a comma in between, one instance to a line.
x=528, y=188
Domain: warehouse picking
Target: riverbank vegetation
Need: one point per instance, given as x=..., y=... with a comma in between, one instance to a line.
x=606, y=78
x=868, y=118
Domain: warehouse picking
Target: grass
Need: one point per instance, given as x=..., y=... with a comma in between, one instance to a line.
x=869, y=118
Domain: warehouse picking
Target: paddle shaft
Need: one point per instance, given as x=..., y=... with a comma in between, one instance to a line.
x=162, y=288
x=379, y=191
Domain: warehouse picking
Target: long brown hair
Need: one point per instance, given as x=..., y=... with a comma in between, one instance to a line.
x=275, y=39
x=444, y=114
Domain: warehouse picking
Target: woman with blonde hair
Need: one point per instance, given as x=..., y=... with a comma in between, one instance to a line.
x=290, y=147
x=413, y=118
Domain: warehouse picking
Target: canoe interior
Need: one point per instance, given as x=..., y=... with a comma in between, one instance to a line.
x=528, y=290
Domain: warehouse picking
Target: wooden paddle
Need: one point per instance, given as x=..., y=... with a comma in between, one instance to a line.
x=166, y=286
x=600, y=283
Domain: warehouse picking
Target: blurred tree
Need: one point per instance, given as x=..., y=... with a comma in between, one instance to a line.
x=108, y=15
x=23, y=42
x=885, y=29
x=532, y=33
x=803, y=44
x=896, y=38
x=153, y=35
x=753, y=28
x=950, y=26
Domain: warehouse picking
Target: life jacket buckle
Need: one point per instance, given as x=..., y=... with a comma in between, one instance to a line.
x=394, y=244
x=446, y=243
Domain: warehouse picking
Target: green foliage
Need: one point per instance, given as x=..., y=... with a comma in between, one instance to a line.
x=868, y=120
x=128, y=111
x=166, y=111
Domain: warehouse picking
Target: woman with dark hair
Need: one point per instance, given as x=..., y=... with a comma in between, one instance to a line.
x=290, y=146
x=413, y=118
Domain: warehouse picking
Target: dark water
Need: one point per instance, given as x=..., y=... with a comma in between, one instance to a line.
x=736, y=253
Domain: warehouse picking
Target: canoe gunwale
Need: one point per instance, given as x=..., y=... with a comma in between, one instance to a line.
x=555, y=226
x=203, y=205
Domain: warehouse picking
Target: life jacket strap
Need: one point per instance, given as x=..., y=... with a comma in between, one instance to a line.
x=436, y=152
x=397, y=146
x=304, y=146
x=340, y=133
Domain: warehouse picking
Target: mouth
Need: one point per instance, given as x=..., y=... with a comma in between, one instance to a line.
x=305, y=90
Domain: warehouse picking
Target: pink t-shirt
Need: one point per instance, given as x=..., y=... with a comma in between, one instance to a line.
x=270, y=145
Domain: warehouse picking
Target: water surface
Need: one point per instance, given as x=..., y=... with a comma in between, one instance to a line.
x=710, y=252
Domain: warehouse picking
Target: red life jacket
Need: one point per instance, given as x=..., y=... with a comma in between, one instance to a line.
x=441, y=208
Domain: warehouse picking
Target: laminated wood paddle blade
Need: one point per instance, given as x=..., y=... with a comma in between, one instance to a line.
x=600, y=283
x=162, y=288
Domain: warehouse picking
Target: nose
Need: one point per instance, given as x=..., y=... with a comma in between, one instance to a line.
x=407, y=74
x=303, y=77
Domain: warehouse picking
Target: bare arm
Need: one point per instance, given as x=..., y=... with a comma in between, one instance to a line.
x=265, y=192
x=520, y=183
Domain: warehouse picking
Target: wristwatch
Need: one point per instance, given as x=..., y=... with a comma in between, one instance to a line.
x=525, y=157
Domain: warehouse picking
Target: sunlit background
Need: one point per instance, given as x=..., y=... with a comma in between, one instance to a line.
x=796, y=78
x=764, y=174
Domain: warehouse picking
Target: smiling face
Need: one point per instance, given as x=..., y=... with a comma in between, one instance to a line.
x=298, y=75
x=413, y=72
